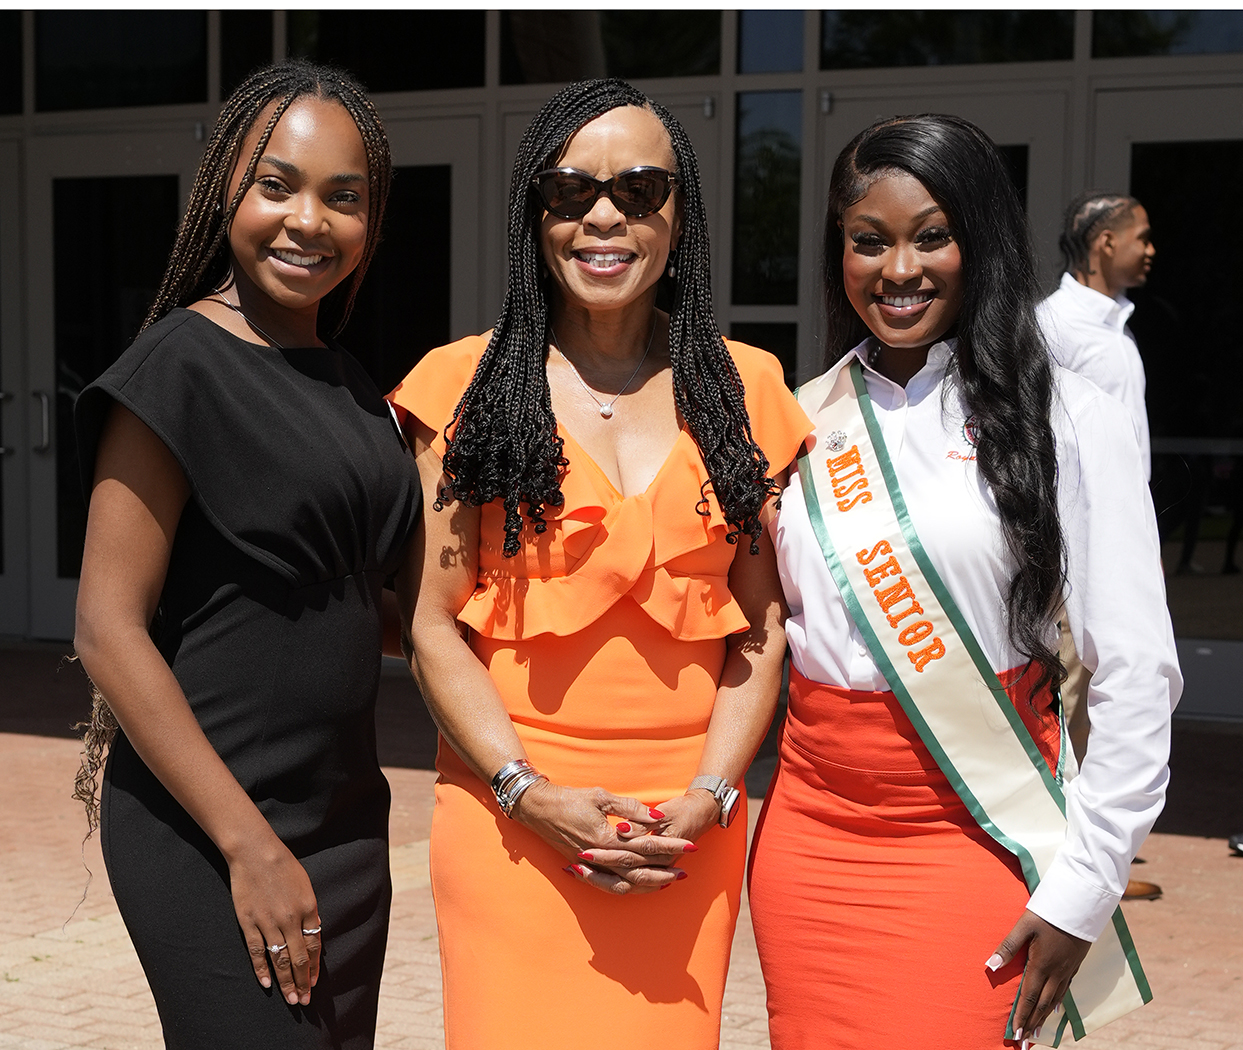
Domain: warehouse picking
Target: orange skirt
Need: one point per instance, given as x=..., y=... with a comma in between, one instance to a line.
x=876, y=898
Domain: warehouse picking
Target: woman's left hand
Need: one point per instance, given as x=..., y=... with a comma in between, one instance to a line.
x=688, y=816
x=684, y=817
x=1053, y=958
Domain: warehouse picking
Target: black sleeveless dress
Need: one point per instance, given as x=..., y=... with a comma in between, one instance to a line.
x=303, y=496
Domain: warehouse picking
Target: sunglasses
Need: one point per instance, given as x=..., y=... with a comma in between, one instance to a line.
x=636, y=192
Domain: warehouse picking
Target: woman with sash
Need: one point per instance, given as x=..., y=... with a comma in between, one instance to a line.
x=930, y=869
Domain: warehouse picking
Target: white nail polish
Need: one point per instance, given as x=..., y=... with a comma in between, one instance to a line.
x=994, y=962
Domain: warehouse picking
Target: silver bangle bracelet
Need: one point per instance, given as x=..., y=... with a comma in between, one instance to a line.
x=509, y=795
x=508, y=771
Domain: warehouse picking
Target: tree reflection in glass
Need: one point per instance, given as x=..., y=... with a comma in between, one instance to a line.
x=767, y=178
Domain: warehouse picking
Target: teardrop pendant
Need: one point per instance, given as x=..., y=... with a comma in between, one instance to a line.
x=606, y=411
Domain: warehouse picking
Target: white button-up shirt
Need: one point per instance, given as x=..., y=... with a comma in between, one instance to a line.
x=1115, y=604
x=1087, y=333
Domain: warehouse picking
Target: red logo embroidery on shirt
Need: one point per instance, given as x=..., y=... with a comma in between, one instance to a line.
x=971, y=431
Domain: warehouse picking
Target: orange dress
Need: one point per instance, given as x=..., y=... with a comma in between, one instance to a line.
x=606, y=638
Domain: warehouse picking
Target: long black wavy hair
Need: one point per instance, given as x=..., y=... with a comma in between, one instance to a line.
x=1001, y=365
x=200, y=260
x=505, y=445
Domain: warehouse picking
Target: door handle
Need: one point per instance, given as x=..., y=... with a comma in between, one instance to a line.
x=4, y=449
x=45, y=416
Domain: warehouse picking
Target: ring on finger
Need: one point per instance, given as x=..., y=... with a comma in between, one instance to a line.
x=274, y=948
x=312, y=931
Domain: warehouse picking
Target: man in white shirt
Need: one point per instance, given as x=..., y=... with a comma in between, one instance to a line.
x=1107, y=244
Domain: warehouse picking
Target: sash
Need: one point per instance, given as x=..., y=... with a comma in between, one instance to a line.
x=934, y=664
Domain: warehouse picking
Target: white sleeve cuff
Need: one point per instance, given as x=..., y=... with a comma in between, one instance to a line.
x=1072, y=904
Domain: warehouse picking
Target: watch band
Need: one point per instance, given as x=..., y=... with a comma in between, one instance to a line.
x=725, y=794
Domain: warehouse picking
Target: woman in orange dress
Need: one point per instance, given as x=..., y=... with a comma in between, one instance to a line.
x=598, y=619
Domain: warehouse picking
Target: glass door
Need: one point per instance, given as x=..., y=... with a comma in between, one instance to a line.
x=424, y=285
x=101, y=213
x=1180, y=152
x=14, y=446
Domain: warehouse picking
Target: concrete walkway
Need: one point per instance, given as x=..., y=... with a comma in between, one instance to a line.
x=70, y=977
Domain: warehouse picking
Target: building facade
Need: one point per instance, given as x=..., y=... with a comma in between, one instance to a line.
x=103, y=116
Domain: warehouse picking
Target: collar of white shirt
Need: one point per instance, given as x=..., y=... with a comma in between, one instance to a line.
x=1097, y=306
x=939, y=355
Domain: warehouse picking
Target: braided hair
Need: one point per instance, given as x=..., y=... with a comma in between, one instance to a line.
x=200, y=260
x=505, y=443
x=1001, y=365
x=1087, y=217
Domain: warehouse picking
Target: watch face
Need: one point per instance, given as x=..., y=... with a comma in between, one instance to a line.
x=729, y=807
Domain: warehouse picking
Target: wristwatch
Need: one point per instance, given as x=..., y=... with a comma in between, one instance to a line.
x=725, y=795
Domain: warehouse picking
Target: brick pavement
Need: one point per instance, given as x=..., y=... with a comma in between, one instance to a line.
x=70, y=977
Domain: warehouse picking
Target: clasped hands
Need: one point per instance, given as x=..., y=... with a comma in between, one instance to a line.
x=635, y=855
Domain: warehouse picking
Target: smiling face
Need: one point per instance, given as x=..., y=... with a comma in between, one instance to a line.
x=301, y=228
x=607, y=260
x=901, y=266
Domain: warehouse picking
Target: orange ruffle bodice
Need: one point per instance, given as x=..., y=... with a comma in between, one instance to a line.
x=653, y=547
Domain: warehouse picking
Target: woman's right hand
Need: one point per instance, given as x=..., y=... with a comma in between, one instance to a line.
x=574, y=822
x=275, y=903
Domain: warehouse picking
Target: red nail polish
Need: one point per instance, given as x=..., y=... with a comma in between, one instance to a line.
x=624, y=828
x=692, y=848
x=655, y=814
x=584, y=856
x=569, y=870
x=666, y=885
x=681, y=875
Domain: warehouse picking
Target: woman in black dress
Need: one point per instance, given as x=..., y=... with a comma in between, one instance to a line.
x=249, y=497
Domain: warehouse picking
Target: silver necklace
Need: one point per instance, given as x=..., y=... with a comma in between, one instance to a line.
x=606, y=407
x=219, y=298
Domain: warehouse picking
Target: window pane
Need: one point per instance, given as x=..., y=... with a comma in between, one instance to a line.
x=1193, y=356
x=99, y=59
x=770, y=41
x=861, y=39
x=778, y=339
x=99, y=308
x=402, y=310
x=10, y=61
x=541, y=47
x=1192, y=350
x=767, y=169
x=1016, y=163
x=1119, y=33
x=395, y=50
x=245, y=45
